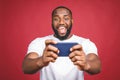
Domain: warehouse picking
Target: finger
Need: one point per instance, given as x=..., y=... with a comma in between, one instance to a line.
x=82, y=65
x=75, y=53
x=79, y=68
x=76, y=47
x=52, y=54
x=79, y=63
x=49, y=59
x=50, y=41
x=76, y=58
x=52, y=48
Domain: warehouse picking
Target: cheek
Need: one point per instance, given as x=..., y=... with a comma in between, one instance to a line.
x=68, y=24
x=55, y=24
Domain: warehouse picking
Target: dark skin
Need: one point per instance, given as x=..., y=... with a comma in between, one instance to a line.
x=89, y=63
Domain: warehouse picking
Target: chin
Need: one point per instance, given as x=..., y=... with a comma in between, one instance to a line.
x=62, y=35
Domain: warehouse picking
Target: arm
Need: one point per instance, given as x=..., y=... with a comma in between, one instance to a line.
x=94, y=64
x=32, y=62
x=89, y=63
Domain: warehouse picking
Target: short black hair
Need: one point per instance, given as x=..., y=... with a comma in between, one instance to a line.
x=62, y=7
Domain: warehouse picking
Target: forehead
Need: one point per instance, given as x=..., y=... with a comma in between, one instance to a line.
x=61, y=11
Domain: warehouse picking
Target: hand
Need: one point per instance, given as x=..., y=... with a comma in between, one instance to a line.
x=50, y=52
x=78, y=57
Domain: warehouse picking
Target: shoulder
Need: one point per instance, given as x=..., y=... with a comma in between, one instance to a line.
x=88, y=45
x=39, y=39
x=85, y=41
x=80, y=39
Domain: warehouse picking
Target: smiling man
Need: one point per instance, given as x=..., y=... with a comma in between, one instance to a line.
x=43, y=56
x=62, y=23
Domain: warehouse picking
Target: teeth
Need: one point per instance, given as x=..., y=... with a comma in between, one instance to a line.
x=61, y=27
x=62, y=30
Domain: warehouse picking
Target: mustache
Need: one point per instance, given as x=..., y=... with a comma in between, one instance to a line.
x=61, y=25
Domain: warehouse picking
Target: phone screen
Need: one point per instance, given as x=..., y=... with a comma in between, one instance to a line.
x=64, y=48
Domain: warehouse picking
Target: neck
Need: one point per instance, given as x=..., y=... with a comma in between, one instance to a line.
x=70, y=35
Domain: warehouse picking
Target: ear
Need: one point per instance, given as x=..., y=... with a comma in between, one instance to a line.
x=72, y=21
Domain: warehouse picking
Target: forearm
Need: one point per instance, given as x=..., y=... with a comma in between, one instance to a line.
x=31, y=66
x=94, y=64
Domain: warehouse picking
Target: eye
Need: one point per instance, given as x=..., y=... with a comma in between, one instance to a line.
x=55, y=19
x=66, y=19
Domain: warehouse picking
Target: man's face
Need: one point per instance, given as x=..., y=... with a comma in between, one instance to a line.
x=62, y=23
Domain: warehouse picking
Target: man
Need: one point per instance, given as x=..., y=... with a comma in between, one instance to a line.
x=43, y=57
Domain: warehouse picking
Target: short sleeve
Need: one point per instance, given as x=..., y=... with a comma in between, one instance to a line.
x=89, y=47
x=37, y=46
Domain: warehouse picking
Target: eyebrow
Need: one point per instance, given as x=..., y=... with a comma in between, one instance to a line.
x=57, y=15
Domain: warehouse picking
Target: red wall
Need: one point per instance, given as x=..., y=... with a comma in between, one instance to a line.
x=23, y=20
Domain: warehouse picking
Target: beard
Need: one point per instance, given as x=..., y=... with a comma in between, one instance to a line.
x=62, y=37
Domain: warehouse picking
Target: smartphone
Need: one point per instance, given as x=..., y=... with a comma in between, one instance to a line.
x=64, y=48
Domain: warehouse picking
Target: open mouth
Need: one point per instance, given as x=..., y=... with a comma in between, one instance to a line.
x=62, y=30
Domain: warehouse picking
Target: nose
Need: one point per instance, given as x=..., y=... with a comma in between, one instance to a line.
x=61, y=21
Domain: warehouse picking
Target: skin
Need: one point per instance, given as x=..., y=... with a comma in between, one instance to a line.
x=62, y=18
x=89, y=63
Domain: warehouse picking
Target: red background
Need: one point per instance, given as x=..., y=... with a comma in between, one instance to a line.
x=21, y=21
